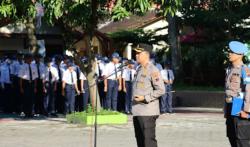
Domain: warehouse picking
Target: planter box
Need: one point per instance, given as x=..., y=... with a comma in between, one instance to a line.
x=83, y=118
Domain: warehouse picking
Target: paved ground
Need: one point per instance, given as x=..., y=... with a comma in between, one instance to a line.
x=187, y=128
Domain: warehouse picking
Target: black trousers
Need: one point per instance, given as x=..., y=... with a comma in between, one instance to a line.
x=144, y=127
x=8, y=98
x=28, y=88
x=49, y=99
x=60, y=100
x=39, y=109
x=238, y=129
x=17, y=95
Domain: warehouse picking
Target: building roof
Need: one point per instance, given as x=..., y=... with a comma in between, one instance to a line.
x=133, y=22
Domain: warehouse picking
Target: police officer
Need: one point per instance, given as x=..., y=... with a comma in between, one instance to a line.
x=112, y=82
x=238, y=128
x=128, y=77
x=69, y=87
x=28, y=82
x=49, y=88
x=148, y=86
x=166, y=100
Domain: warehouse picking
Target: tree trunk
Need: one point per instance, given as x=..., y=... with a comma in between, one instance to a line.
x=32, y=41
x=174, y=46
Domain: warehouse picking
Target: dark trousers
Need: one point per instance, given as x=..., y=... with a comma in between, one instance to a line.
x=166, y=100
x=59, y=102
x=79, y=100
x=28, y=88
x=238, y=130
x=144, y=127
x=8, y=100
x=39, y=97
x=111, y=96
x=69, y=98
x=128, y=99
x=49, y=98
x=101, y=92
x=17, y=96
x=85, y=95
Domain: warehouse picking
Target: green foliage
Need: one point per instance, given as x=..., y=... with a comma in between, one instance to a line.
x=7, y=9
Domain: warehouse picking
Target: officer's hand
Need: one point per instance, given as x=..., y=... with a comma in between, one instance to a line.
x=244, y=114
x=105, y=89
x=138, y=98
x=125, y=90
x=82, y=91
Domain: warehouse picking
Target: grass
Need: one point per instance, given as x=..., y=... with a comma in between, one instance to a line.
x=103, y=117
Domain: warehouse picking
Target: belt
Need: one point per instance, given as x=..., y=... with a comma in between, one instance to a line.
x=229, y=100
x=113, y=79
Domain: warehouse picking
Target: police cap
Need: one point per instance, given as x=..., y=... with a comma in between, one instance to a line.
x=238, y=47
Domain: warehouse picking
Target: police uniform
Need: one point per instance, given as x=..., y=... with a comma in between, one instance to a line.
x=70, y=80
x=7, y=86
x=113, y=75
x=238, y=129
x=28, y=75
x=40, y=67
x=166, y=100
x=80, y=101
x=149, y=84
x=128, y=77
x=50, y=86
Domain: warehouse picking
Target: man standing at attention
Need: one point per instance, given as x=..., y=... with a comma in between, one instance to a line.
x=148, y=86
x=238, y=127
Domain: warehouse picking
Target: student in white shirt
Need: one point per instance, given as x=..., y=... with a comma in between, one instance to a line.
x=112, y=82
x=28, y=84
x=50, y=79
x=128, y=77
x=166, y=100
x=69, y=87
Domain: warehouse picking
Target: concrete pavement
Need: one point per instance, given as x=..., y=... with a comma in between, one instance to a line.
x=189, y=127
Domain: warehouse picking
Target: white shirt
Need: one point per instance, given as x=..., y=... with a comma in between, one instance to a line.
x=167, y=74
x=68, y=79
x=101, y=65
x=109, y=71
x=5, y=74
x=24, y=72
x=17, y=66
x=127, y=72
x=41, y=69
x=62, y=70
x=81, y=75
x=54, y=74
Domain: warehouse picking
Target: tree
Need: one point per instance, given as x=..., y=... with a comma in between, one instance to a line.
x=84, y=14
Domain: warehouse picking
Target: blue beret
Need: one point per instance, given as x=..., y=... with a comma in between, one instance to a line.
x=237, y=47
x=115, y=55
